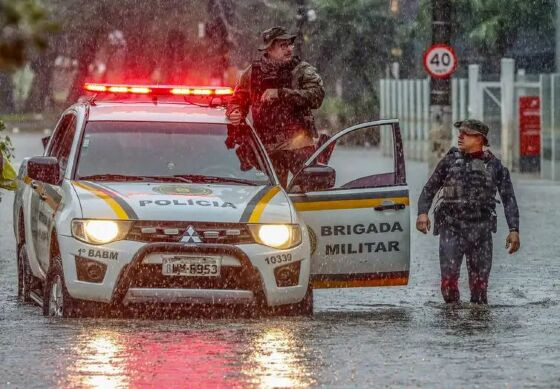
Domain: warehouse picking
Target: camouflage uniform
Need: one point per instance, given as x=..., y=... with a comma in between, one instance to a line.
x=465, y=216
x=285, y=125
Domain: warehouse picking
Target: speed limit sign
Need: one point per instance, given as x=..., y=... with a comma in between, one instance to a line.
x=440, y=61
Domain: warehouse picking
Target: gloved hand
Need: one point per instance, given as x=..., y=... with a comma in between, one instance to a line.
x=423, y=223
x=235, y=117
x=512, y=242
x=269, y=95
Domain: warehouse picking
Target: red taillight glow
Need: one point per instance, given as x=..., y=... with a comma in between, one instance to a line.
x=159, y=90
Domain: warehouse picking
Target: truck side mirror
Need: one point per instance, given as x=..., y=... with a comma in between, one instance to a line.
x=45, y=141
x=44, y=169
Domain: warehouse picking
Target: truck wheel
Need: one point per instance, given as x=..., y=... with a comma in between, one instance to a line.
x=305, y=306
x=25, y=279
x=56, y=300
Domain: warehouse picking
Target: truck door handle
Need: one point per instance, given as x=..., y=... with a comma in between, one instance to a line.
x=386, y=207
x=43, y=196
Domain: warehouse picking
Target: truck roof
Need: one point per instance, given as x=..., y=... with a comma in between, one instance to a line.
x=156, y=112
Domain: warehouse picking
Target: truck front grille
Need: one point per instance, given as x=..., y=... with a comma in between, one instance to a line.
x=207, y=232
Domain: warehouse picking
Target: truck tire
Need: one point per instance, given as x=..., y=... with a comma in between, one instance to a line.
x=303, y=308
x=26, y=280
x=56, y=300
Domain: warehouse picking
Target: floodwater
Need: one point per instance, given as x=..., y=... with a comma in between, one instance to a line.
x=378, y=337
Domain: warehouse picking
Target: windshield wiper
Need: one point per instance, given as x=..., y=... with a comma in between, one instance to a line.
x=124, y=177
x=188, y=178
x=198, y=178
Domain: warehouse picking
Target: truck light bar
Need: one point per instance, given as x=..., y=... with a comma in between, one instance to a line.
x=159, y=89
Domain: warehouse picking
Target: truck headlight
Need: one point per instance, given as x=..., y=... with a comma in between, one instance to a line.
x=100, y=231
x=280, y=236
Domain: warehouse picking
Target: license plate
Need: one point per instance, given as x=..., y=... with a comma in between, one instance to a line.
x=191, y=266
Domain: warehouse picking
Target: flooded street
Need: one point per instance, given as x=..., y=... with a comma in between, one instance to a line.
x=377, y=337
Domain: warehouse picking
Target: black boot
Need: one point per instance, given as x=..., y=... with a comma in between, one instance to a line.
x=479, y=296
x=450, y=291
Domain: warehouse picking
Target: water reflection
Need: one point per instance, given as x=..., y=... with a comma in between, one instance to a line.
x=100, y=362
x=145, y=359
x=278, y=360
x=179, y=359
x=466, y=319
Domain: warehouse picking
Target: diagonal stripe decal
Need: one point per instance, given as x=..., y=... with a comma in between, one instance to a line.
x=114, y=202
x=252, y=204
x=261, y=205
x=117, y=197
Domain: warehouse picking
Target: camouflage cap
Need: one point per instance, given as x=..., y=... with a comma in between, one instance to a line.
x=474, y=127
x=273, y=34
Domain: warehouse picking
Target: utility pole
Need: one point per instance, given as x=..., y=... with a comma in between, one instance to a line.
x=218, y=37
x=440, y=88
x=301, y=18
x=557, y=56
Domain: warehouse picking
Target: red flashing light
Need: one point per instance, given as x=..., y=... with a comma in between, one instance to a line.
x=118, y=89
x=139, y=89
x=201, y=91
x=180, y=91
x=159, y=90
x=95, y=88
x=224, y=91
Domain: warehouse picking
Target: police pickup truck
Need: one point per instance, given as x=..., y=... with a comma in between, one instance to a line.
x=146, y=195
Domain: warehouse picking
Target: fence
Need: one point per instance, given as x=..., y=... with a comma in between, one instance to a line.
x=495, y=99
x=550, y=126
x=409, y=101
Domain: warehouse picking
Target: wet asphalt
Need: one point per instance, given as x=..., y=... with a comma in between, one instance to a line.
x=378, y=337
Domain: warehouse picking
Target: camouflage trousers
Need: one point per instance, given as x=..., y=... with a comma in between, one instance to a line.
x=286, y=161
x=476, y=245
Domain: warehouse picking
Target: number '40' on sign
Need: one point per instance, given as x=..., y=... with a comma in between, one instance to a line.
x=440, y=61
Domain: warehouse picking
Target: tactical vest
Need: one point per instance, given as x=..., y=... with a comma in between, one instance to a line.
x=275, y=120
x=469, y=191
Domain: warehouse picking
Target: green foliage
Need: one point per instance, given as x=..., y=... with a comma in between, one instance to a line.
x=23, y=25
x=486, y=29
x=496, y=23
x=6, y=146
x=351, y=44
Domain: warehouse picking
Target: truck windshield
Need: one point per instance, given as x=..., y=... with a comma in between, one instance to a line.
x=191, y=152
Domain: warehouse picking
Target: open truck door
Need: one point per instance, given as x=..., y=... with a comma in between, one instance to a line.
x=359, y=223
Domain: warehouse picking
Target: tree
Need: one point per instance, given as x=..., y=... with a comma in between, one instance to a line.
x=24, y=26
x=501, y=28
x=350, y=43
x=486, y=30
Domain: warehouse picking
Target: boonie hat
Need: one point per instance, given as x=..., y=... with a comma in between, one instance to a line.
x=273, y=34
x=473, y=127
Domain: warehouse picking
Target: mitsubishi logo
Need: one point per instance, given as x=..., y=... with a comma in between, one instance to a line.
x=191, y=236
